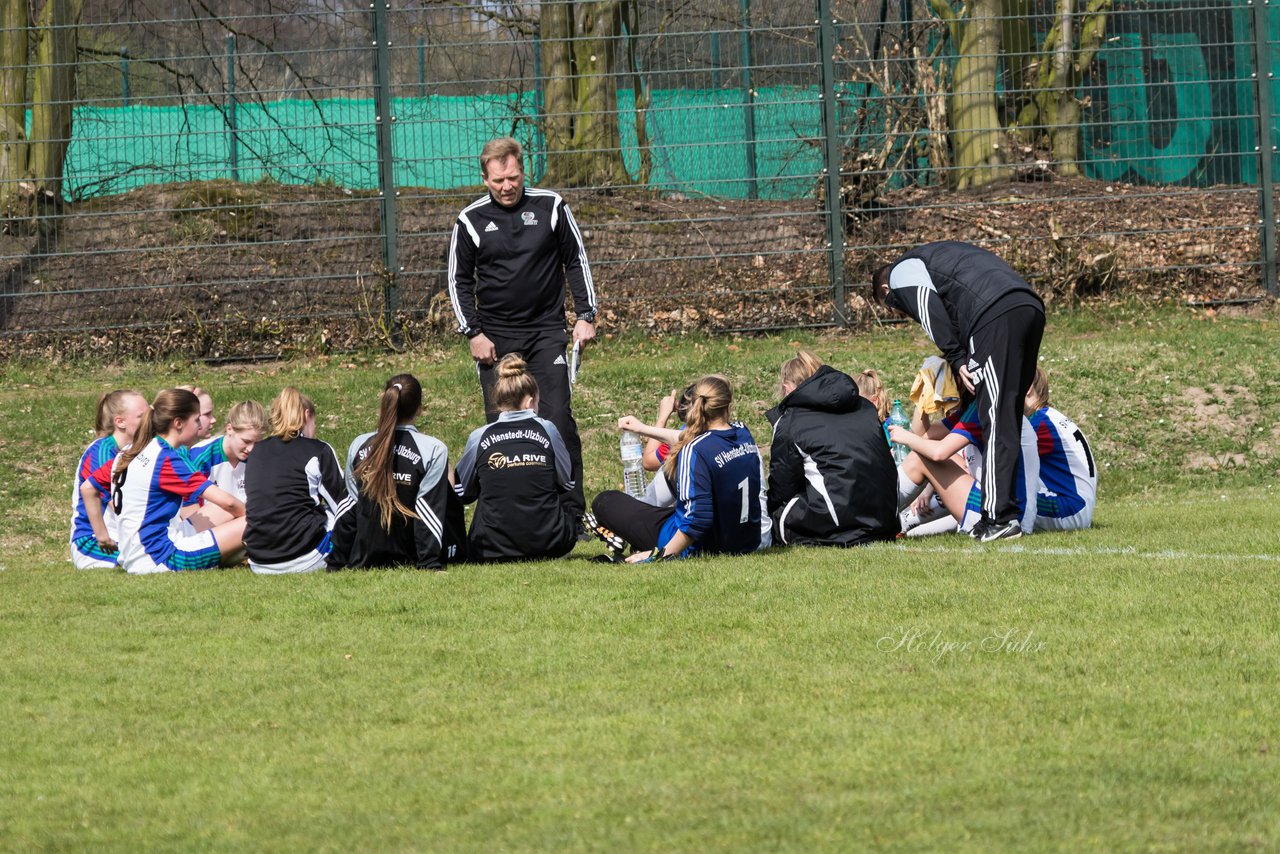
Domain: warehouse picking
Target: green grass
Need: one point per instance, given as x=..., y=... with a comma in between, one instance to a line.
x=1109, y=689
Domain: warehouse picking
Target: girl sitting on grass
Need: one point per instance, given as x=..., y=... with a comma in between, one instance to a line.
x=400, y=506
x=660, y=437
x=93, y=523
x=294, y=489
x=223, y=458
x=831, y=475
x=658, y=441
x=151, y=481
x=1068, y=486
x=719, y=480
x=872, y=389
x=959, y=489
x=207, y=418
x=517, y=471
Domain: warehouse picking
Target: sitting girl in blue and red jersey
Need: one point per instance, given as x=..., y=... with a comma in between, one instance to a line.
x=93, y=523
x=151, y=481
x=1068, y=487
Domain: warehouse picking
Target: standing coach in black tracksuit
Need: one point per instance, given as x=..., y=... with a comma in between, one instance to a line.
x=988, y=322
x=510, y=256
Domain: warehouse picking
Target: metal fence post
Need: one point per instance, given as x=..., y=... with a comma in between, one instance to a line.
x=715, y=59
x=831, y=160
x=1262, y=73
x=422, y=68
x=749, y=101
x=384, y=121
x=233, y=142
x=538, y=157
x=124, y=76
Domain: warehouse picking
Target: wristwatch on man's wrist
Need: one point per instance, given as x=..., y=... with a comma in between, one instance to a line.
x=588, y=316
x=473, y=332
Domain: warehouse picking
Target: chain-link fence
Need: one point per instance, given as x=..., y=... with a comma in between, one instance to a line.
x=249, y=178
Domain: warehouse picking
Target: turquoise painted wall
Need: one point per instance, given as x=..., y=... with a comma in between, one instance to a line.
x=1173, y=104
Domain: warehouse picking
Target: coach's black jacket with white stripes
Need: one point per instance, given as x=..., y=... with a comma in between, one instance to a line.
x=432, y=538
x=508, y=266
x=831, y=477
x=952, y=288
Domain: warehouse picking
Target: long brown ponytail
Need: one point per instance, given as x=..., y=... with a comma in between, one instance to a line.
x=401, y=400
x=712, y=400
x=169, y=405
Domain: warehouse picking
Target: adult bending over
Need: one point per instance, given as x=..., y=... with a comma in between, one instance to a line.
x=988, y=322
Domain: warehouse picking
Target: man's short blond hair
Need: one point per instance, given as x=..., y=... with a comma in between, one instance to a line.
x=500, y=149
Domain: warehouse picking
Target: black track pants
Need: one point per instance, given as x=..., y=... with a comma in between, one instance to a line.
x=1005, y=350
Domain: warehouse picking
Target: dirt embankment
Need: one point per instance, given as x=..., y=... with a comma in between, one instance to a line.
x=221, y=270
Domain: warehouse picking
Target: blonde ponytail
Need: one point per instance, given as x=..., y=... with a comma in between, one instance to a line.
x=712, y=400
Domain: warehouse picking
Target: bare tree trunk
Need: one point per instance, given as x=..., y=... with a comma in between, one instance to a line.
x=556, y=33
x=583, y=141
x=13, y=101
x=1066, y=142
x=977, y=136
x=1017, y=39
x=54, y=94
x=935, y=104
x=1064, y=129
x=1054, y=107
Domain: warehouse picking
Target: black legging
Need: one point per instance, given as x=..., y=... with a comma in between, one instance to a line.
x=633, y=520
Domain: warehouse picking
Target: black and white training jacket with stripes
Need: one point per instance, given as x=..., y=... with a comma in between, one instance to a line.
x=293, y=491
x=508, y=266
x=431, y=539
x=952, y=288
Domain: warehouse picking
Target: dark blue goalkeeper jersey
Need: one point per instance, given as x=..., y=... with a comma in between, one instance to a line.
x=720, y=500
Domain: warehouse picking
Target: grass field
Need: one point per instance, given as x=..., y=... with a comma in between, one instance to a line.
x=1113, y=689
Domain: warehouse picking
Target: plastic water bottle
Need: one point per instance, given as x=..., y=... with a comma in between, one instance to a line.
x=631, y=449
x=898, y=417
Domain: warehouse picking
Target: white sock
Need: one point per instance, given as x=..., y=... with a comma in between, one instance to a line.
x=907, y=491
x=944, y=525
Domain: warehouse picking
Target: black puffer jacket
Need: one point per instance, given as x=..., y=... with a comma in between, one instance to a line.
x=831, y=477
